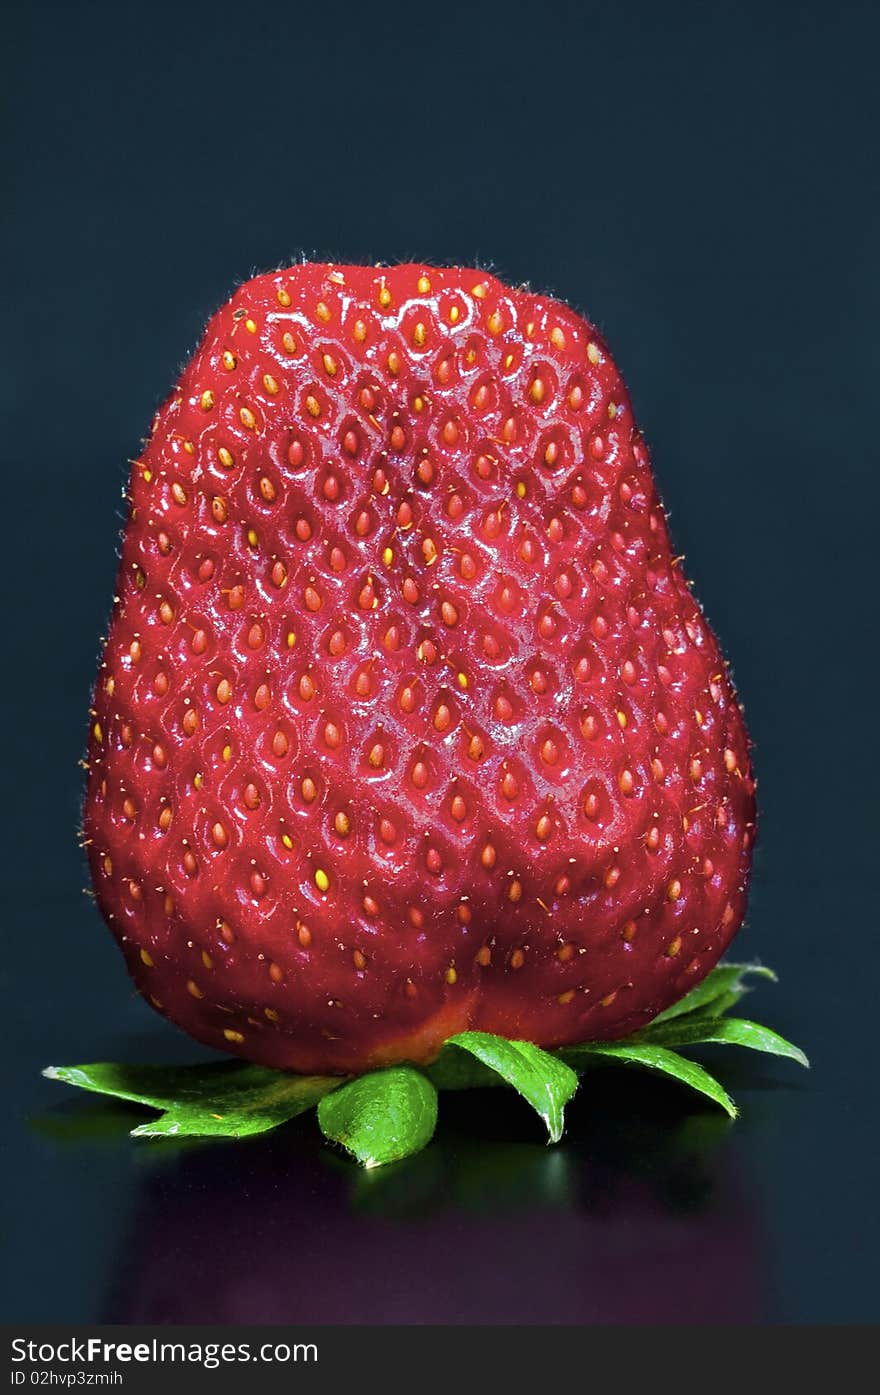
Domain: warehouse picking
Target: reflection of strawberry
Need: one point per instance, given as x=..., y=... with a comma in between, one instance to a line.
x=407, y=720
x=641, y=1225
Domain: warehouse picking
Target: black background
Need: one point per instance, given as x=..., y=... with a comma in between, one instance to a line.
x=702, y=181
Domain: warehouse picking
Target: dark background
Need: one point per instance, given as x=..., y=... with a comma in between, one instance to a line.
x=702, y=180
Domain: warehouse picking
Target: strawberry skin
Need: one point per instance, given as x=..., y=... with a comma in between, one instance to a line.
x=407, y=720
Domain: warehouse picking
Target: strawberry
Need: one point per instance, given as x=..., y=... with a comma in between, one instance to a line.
x=407, y=720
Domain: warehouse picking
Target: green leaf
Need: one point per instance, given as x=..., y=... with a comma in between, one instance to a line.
x=154, y=1085
x=719, y=990
x=381, y=1117
x=544, y=1080
x=656, y=1058
x=697, y=1028
x=217, y=1100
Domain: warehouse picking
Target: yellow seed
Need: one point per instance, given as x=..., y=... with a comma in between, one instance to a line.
x=521, y=490
x=388, y=556
x=323, y=311
x=287, y=841
x=322, y=881
x=247, y=418
x=227, y=752
x=229, y=360
x=384, y=297
x=543, y=828
x=250, y=326
x=329, y=365
x=230, y=1035
x=225, y=458
x=270, y=384
x=454, y=315
x=451, y=975
x=147, y=958
x=462, y=680
x=194, y=989
x=252, y=538
x=99, y=735
x=593, y=352
x=206, y=401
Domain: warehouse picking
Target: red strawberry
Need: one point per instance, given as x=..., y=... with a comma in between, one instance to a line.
x=407, y=720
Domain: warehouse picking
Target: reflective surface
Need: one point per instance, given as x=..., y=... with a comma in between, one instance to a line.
x=701, y=180
x=649, y=1228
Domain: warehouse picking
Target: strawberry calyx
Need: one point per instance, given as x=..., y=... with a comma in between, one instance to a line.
x=388, y=1114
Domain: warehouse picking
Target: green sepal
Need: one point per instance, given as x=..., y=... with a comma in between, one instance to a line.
x=541, y=1078
x=718, y=991
x=219, y=1100
x=381, y=1117
x=655, y=1058
x=697, y=1029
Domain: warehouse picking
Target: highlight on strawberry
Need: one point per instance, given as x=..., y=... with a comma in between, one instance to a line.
x=411, y=752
